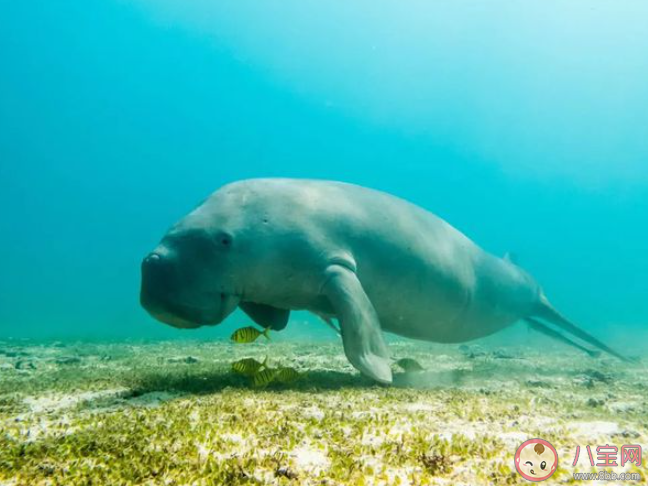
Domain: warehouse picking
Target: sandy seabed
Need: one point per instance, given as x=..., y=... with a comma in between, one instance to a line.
x=173, y=413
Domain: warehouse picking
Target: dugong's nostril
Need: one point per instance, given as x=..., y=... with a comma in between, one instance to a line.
x=153, y=258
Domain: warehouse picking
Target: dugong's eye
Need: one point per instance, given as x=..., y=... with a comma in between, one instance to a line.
x=223, y=239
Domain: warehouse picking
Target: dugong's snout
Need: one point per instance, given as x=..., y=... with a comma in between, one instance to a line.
x=165, y=296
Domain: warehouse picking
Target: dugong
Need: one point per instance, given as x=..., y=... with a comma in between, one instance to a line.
x=370, y=260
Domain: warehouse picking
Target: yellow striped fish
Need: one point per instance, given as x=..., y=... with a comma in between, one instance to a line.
x=249, y=334
x=287, y=375
x=409, y=365
x=247, y=366
x=264, y=377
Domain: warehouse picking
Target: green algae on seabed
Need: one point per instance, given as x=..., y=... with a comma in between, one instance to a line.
x=143, y=414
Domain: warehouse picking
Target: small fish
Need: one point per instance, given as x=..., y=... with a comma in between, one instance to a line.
x=249, y=334
x=247, y=366
x=264, y=377
x=409, y=364
x=287, y=375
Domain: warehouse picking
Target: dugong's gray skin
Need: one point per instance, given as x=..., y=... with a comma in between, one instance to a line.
x=373, y=261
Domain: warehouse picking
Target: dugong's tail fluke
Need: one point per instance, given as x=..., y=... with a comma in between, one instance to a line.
x=538, y=326
x=548, y=313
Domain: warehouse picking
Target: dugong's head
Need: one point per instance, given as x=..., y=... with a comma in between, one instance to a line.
x=194, y=276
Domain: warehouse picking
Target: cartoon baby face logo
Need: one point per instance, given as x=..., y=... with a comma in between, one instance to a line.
x=536, y=460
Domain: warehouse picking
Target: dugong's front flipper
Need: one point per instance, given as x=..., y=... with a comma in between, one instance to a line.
x=361, y=336
x=266, y=315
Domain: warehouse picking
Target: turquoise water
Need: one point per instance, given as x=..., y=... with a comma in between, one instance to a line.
x=523, y=124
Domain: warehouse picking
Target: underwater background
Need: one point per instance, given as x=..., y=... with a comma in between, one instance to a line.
x=523, y=124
